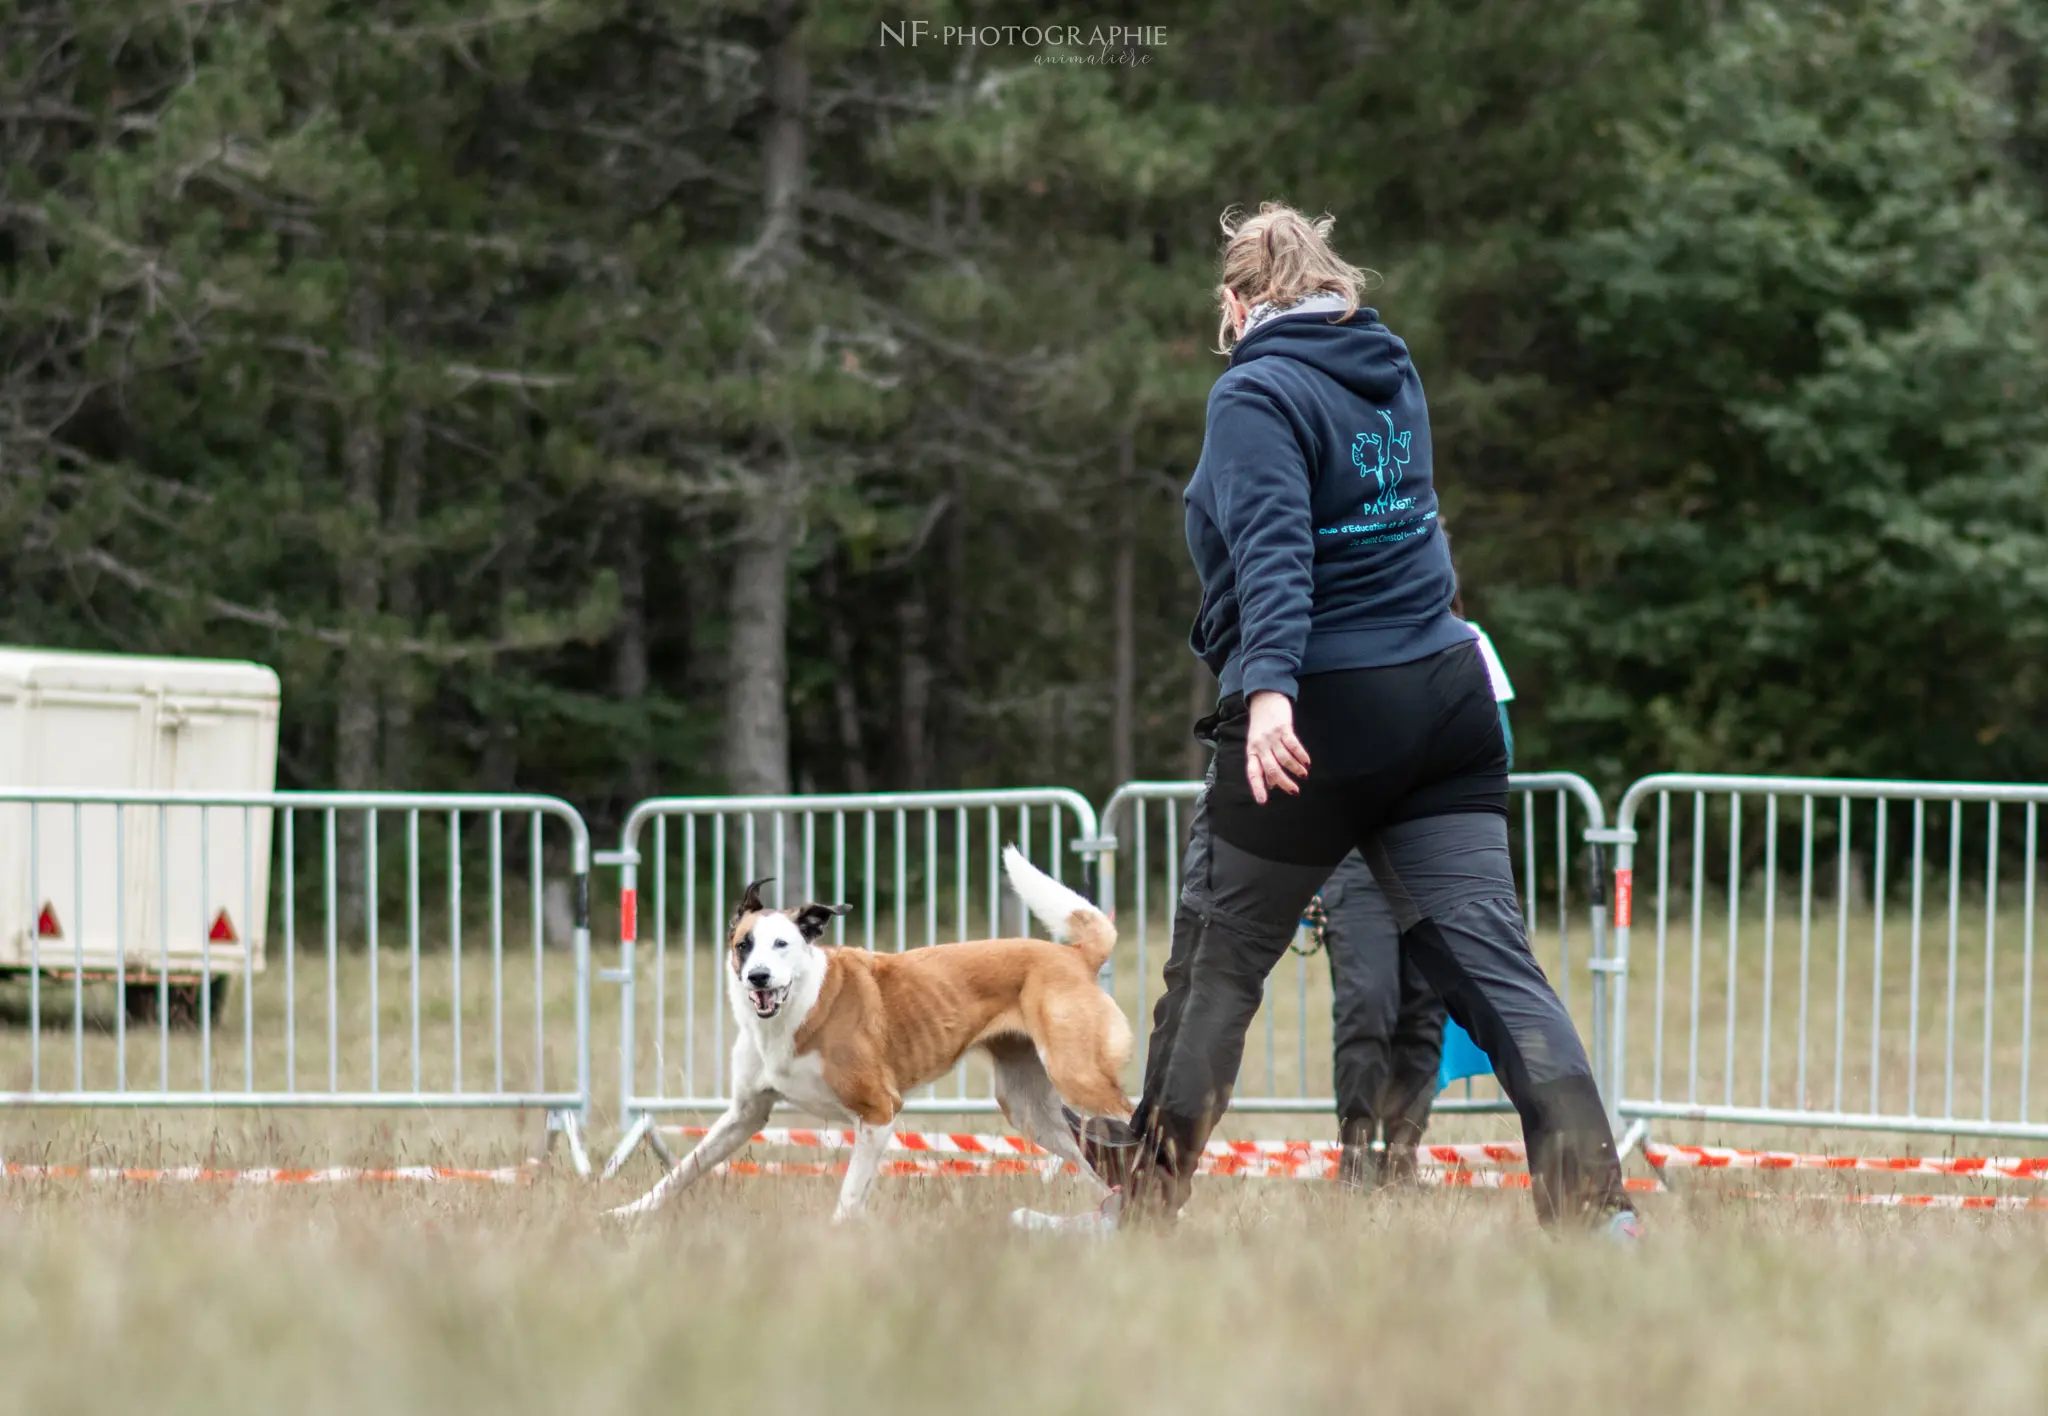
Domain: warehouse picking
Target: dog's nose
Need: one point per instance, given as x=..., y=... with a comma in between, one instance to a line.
x=758, y=977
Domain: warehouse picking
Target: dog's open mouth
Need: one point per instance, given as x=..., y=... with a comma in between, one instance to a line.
x=767, y=1002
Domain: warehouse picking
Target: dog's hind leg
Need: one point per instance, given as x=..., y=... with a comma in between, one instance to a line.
x=870, y=1144
x=1025, y=1094
x=727, y=1134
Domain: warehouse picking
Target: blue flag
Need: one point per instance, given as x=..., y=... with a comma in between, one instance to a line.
x=1461, y=1057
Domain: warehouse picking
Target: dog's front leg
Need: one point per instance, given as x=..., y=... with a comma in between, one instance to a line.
x=870, y=1144
x=727, y=1134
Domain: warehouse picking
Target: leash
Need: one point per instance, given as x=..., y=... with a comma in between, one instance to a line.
x=1316, y=921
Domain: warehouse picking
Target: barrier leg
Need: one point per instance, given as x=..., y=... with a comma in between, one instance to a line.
x=640, y=1130
x=566, y=1125
x=1636, y=1137
x=660, y=1148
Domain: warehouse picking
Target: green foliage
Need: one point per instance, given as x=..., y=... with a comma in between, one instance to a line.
x=1820, y=309
x=427, y=346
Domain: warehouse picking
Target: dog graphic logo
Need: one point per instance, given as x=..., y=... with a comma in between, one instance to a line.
x=1382, y=456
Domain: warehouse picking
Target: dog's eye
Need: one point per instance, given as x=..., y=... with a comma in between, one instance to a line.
x=782, y=943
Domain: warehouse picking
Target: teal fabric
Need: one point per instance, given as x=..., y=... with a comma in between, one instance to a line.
x=1462, y=1057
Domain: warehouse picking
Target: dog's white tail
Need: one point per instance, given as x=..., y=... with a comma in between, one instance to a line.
x=1067, y=913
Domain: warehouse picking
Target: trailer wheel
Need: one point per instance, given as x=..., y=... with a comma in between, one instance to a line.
x=139, y=1000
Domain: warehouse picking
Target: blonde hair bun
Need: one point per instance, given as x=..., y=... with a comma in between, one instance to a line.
x=1280, y=256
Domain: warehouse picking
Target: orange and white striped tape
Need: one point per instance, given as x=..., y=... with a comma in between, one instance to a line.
x=1916, y=1202
x=1258, y=1167
x=906, y=1169
x=959, y=1143
x=1231, y=1156
x=1483, y=1153
x=1669, y=1157
x=964, y=1154
x=269, y=1175
x=921, y=1142
x=1950, y=1202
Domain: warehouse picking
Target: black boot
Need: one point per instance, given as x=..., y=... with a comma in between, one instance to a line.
x=1398, y=1163
x=1110, y=1146
x=1356, y=1172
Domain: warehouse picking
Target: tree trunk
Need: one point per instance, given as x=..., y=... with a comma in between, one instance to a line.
x=401, y=685
x=1053, y=759
x=757, y=681
x=499, y=769
x=355, y=704
x=757, y=686
x=845, y=689
x=783, y=149
x=1123, y=731
x=913, y=691
x=629, y=652
x=757, y=674
x=757, y=678
x=951, y=728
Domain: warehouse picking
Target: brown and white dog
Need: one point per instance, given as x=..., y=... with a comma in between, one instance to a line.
x=845, y=1033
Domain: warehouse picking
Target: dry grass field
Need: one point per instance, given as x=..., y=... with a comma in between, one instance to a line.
x=741, y=1297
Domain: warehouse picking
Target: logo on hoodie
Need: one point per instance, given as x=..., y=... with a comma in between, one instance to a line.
x=1382, y=457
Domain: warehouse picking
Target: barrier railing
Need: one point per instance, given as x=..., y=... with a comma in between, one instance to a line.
x=1804, y=951
x=919, y=868
x=1557, y=823
x=186, y=971
x=1792, y=975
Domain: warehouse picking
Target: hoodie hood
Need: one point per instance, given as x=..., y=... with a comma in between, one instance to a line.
x=1360, y=353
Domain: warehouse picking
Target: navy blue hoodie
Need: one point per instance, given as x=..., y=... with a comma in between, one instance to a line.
x=1312, y=516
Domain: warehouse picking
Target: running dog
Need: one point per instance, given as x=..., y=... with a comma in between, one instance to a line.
x=844, y=1034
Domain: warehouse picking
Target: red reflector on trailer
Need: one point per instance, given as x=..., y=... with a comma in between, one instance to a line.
x=223, y=931
x=47, y=926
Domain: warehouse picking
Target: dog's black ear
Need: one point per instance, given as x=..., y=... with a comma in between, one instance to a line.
x=811, y=920
x=750, y=901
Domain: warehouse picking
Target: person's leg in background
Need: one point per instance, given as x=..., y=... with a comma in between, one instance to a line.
x=1418, y=1047
x=1451, y=883
x=1364, y=945
x=1418, y=1053
x=1387, y=1032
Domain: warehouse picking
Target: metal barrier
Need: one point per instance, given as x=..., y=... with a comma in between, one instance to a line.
x=1740, y=1030
x=152, y=905
x=911, y=885
x=1133, y=861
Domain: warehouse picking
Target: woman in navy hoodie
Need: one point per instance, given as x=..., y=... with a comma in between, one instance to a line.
x=1355, y=712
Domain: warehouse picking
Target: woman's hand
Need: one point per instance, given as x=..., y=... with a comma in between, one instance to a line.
x=1271, y=750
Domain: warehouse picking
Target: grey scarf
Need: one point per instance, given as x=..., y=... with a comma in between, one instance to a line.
x=1313, y=303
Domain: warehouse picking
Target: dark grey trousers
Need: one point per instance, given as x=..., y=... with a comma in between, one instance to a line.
x=1450, y=884
x=1386, y=1022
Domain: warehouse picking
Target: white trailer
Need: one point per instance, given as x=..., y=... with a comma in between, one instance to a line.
x=137, y=892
